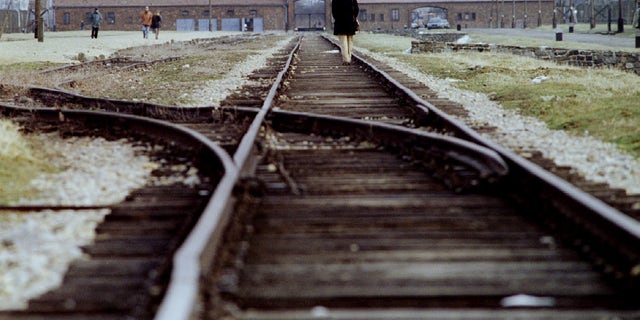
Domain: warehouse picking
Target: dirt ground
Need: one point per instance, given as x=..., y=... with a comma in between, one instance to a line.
x=173, y=70
x=66, y=47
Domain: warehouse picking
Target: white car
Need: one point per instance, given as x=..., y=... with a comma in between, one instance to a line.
x=438, y=23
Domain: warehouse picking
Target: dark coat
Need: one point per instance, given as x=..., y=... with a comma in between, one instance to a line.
x=345, y=13
x=96, y=19
x=155, y=21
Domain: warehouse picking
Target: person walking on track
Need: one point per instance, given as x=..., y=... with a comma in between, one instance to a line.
x=345, y=15
x=96, y=21
x=156, y=20
x=146, y=18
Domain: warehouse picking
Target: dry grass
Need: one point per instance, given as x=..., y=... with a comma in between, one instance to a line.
x=172, y=83
x=168, y=83
x=19, y=163
x=599, y=102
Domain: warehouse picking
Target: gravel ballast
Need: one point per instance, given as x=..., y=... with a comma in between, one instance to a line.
x=595, y=160
x=36, y=248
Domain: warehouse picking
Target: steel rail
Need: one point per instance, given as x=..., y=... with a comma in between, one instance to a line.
x=181, y=300
x=144, y=109
x=168, y=131
x=247, y=143
x=420, y=145
x=181, y=296
x=596, y=217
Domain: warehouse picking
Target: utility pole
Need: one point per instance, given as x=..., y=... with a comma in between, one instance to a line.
x=39, y=21
x=572, y=21
x=502, y=14
x=592, y=14
x=210, y=16
x=540, y=12
x=497, y=16
x=620, y=20
x=513, y=15
x=524, y=22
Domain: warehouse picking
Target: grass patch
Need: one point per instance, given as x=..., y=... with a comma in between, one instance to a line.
x=532, y=42
x=174, y=82
x=19, y=163
x=168, y=83
x=23, y=73
x=27, y=66
x=599, y=102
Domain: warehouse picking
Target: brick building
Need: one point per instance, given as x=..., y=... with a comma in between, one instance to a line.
x=400, y=14
x=184, y=15
x=264, y=15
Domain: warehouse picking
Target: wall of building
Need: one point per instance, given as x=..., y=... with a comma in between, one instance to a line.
x=375, y=15
x=473, y=14
x=128, y=18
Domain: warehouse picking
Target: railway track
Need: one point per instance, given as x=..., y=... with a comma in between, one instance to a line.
x=361, y=200
x=347, y=230
x=359, y=232
x=126, y=270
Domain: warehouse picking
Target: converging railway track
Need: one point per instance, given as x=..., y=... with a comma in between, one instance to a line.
x=344, y=193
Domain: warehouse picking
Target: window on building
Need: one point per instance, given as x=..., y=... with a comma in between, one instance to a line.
x=111, y=17
x=372, y=17
x=382, y=17
x=230, y=12
x=66, y=18
x=205, y=13
x=363, y=15
x=459, y=16
x=395, y=15
x=473, y=16
x=253, y=12
x=185, y=13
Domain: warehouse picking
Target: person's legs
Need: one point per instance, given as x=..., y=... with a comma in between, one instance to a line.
x=157, y=31
x=97, y=29
x=344, y=48
x=349, y=48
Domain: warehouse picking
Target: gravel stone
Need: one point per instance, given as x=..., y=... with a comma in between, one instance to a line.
x=596, y=160
x=36, y=248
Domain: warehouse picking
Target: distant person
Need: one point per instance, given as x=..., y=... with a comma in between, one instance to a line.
x=82, y=25
x=146, y=16
x=345, y=13
x=96, y=21
x=156, y=20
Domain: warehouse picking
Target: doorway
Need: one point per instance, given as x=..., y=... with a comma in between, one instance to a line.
x=309, y=15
